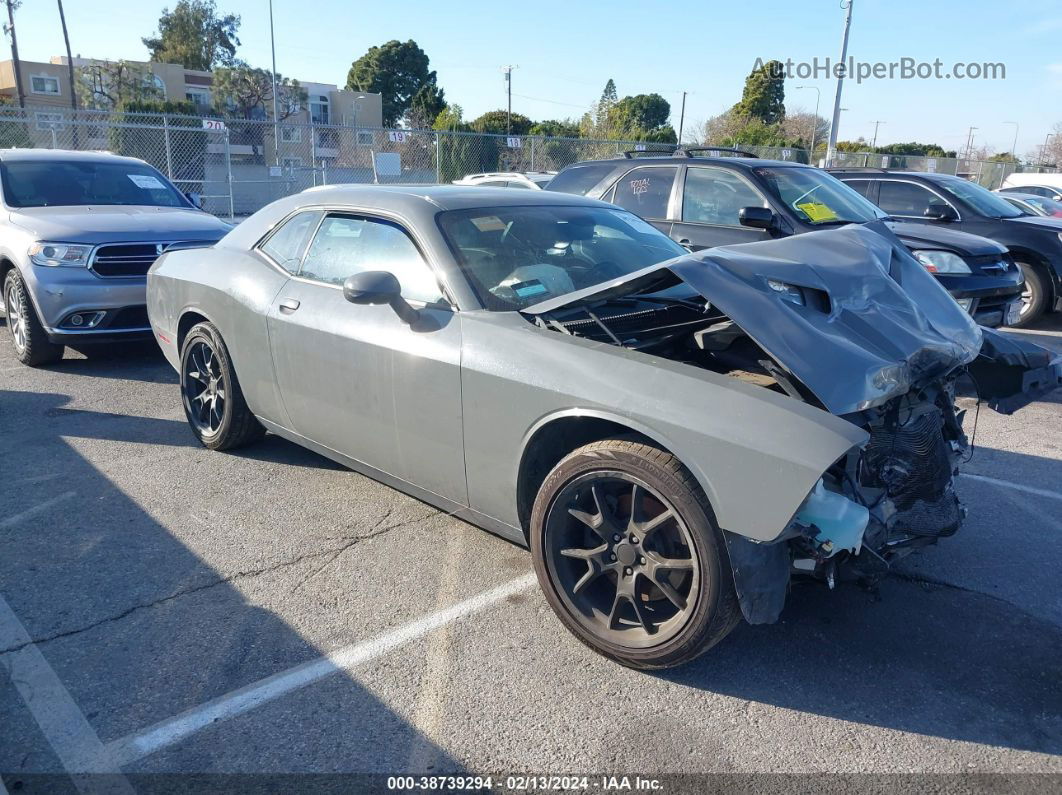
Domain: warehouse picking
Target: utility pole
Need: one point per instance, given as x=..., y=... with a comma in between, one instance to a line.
x=509, y=90
x=70, y=72
x=874, y=143
x=969, y=142
x=682, y=118
x=1014, y=146
x=1043, y=149
x=9, y=28
x=815, y=123
x=276, y=117
x=832, y=146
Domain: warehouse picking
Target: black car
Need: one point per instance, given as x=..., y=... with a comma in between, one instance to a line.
x=943, y=200
x=712, y=201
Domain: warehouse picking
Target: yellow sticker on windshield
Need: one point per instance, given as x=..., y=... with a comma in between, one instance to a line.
x=817, y=212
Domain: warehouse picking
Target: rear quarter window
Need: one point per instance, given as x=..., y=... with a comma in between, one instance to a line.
x=579, y=179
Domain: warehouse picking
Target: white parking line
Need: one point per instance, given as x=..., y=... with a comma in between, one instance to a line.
x=40, y=507
x=173, y=730
x=1054, y=495
x=64, y=726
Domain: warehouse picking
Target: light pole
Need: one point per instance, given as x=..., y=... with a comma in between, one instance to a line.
x=1013, y=152
x=1043, y=149
x=509, y=90
x=969, y=142
x=847, y=5
x=276, y=121
x=682, y=118
x=874, y=143
x=815, y=124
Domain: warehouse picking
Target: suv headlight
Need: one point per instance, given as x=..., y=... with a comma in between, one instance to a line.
x=941, y=261
x=60, y=255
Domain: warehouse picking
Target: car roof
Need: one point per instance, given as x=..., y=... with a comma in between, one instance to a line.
x=1011, y=194
x=669, y=159
x=877, y=173
x=65, y=155
x=443, y=197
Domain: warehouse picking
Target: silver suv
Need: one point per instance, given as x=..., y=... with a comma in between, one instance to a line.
x=78, y=232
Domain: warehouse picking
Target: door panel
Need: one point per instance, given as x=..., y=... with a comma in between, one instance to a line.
x=711, y=200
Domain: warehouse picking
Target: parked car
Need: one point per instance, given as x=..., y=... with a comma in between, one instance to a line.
x=78, y=234
x=672, y=434
x=535, y=180
x=943, y=200
x=711, y=201
x=1047, y=185
x=1031, y=204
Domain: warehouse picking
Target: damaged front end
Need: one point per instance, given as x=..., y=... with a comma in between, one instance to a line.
x=845, y=320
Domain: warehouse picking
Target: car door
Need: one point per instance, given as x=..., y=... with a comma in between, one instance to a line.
x=711, y=199
x=360, y=380
x=910, y=200
x=647, y=192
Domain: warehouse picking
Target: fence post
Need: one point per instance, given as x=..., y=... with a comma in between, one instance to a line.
x=438, y=159
x=532, y=154
x=313, y=152
x=228, y=173
x=166, y=137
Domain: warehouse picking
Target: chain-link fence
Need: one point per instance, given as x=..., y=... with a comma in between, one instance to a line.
x=235, y=167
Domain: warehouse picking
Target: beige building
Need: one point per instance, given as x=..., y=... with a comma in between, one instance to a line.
x=47, y=85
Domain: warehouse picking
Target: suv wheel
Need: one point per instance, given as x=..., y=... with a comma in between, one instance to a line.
x=213, y=401
x=31, y=343
x=1033, y=296
x=628, y=554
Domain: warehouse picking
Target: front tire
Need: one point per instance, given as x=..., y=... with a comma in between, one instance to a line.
x=628, y=554
x=1033, y=296
x=28, y=337
x=213, y=401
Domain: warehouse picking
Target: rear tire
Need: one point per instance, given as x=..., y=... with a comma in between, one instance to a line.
x=1033, y=297
x=210, y=391
x=629, y=556
x=28, y=337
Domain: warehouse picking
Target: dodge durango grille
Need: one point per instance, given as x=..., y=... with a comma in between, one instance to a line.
x=126, y=259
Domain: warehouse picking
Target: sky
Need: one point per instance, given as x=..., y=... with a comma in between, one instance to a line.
x=566, y=51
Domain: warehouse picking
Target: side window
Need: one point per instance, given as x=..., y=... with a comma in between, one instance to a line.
x=645, y=191
x=286, y=244
x=860, y=186
x=580, y=179
x=716, y=196
x=905, y=198
x=346, y=245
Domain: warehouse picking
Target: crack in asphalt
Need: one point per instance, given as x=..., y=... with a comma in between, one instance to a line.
x=373, y=532
x=918, y=579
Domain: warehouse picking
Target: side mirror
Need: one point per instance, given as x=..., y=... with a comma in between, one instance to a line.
x=378, y=287
x=194, y=198
x=940, y=212
x=756, y=217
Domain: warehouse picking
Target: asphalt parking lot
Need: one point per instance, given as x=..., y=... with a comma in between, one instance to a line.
x=167, y=609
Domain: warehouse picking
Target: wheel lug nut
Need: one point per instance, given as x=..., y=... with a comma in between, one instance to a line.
x=616, y=537
x=627, y=571
x=641, y=561
x=612, y=556
x=634, y=539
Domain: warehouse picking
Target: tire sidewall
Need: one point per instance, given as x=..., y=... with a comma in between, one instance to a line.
x=38, y=349
x=708, y=550
x=207, y=332
x=1035, y=282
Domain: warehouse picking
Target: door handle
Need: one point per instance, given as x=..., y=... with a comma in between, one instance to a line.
x=685, y=241
x=289, y=305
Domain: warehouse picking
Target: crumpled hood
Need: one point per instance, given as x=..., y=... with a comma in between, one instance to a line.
x=112, y=223
x=878, y=323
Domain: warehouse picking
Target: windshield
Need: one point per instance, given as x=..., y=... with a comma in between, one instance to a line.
x=57, y=183
x=817, y=198
x=514, y=257
x=1046, y=206
x=981, y=199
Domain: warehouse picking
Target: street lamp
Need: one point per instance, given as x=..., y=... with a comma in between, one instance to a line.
x=1013, y=152
x=1043, y=149
x=815, y=124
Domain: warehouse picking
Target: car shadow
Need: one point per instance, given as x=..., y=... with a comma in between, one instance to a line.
x=139, y=627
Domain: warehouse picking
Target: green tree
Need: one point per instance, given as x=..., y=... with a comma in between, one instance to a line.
x=193, y=35
x=604, y=107
x=450, y=118
x=426, y=105
x=642, y=117
x=553, y=128
x=397, y=71
x=111, y=85
x=915, y=148
x=246, y=92
x=185, y=138
x=494, y=121
x=764, y=95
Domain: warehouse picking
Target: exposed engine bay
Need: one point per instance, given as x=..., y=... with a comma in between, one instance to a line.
x=869, y=337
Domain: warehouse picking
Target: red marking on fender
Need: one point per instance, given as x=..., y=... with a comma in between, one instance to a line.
x=163, y=337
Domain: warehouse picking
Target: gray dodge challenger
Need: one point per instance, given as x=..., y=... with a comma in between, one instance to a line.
x=675, y=436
